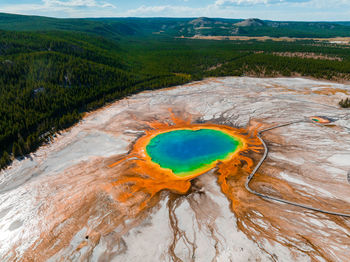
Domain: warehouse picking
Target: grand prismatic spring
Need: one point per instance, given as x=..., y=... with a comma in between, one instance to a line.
x=169, y=155
x=135, y=181
x=188, y=151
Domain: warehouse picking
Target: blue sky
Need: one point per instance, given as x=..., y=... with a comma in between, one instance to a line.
x=301, y=10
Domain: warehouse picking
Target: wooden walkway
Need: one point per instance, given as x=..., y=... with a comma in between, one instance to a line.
x=268, y=197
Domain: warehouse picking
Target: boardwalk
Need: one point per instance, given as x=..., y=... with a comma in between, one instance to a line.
x=268, y=197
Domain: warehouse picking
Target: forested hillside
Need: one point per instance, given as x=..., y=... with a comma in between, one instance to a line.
x=48, y=79
x=117, y=27
x=111, y=29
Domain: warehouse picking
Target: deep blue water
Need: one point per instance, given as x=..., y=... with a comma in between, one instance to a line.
x=187, y=150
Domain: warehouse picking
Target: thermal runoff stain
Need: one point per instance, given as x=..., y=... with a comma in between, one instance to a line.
x=124, y=188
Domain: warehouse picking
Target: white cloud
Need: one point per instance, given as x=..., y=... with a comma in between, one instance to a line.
x=291, y=10
x=63, y=8
x=310, y=10
x=76, y=3
x=239, y=2
x=260, y=2
x=327, y=4
x=163, y=10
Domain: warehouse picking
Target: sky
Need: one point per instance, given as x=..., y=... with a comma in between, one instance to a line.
x=282, y=10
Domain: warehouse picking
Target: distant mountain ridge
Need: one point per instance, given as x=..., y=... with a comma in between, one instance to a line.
x=176, y=27
x=251, y=22
x=257, y=27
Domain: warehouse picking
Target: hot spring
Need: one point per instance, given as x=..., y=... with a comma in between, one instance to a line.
x=187, y=152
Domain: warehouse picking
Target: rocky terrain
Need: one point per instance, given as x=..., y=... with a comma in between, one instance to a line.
x=62, y=204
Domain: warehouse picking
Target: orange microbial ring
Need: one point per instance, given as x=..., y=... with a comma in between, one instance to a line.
x=145, y=178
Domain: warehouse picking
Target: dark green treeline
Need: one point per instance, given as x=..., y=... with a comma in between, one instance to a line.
x=49, y=79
